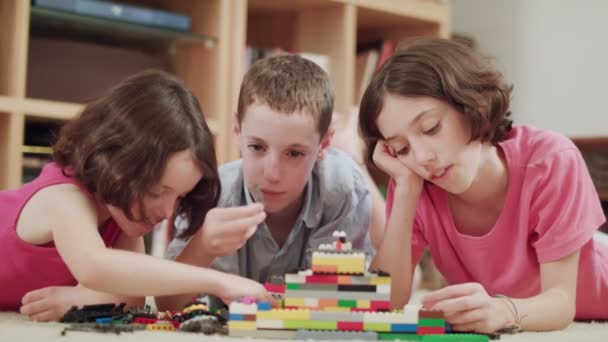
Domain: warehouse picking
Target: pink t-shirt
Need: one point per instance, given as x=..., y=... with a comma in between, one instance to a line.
x=25, y=267
x=551, y=210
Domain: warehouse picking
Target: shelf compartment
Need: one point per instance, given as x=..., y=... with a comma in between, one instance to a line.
x=49, y=23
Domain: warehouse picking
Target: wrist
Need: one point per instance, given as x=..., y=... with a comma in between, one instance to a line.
x=511, y=321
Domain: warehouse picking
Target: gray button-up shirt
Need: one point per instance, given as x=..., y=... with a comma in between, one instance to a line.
x=336, y=198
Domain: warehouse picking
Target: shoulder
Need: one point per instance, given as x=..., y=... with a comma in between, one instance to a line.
x=530, y=146
x=339, y=173
x=231, y=179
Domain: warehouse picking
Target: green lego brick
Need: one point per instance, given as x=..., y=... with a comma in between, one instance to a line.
x=310, y=325
x=399, y=337
x=345, y=303
x=292, y=286
x=431, y=322
x=456, y=338
x=376, y=326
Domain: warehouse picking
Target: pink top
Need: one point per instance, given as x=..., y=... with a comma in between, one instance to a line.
x=26, y=267
x=551, y=210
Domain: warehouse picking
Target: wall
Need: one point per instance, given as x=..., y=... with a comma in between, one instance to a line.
x=554, y=51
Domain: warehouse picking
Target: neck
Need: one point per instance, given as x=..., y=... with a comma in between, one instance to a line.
x=286, y=218
x=491, y=182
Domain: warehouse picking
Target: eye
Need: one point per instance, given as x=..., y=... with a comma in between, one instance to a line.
x=256, y=147
x=433, y=129
x=155, y=195
x=295, y=154
x=403, y=151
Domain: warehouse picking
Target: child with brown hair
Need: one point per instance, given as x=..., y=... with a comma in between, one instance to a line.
x=309, y=190
x=140, y=154
x=508, y=212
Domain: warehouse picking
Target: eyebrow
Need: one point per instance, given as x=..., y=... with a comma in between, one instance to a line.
x=296, y=145
x=416, y=119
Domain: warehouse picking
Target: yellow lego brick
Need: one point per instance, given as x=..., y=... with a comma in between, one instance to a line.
x=364, y=304
x=242, y=325
x=380, y=281
x=286, y=315
x=336, y=309
x=294, y=302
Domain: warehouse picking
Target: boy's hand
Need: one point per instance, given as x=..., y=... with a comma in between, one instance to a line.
x=225, y=230
x=236, y=287
x=468, y=307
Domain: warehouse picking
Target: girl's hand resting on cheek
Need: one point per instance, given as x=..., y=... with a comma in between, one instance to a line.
x=386, y=159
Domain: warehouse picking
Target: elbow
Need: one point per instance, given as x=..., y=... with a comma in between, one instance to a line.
x=89, y=274
x=568, y=312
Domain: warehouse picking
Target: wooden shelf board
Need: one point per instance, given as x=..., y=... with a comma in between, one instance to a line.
x=421, y=10
x=286, y=6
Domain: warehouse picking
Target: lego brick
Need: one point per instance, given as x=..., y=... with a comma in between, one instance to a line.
x=264, y=306
x=430, y=330
x=404, y=328
x=325, y=268
x=345, y=280
x=377, y=280
x=350, y=326
x=377, y=305
x=241, y=308
x=383, y=288
x=347, y=303
x=389, y=317
x=311, y=325
x=423, y=313
x=317, y=287
x=456, y=338
x=399, y=337
x=322, y=279
x=297, y=302
x=337, y=316
x=236, y=317
x=295, y=279
x=241, y=325
x=363, y=304
x=357, y=288
x=270, y=287
x=336, y=335
x=385, y=327
x=431, y=322
x=300, y=314
x=270, y=324
x=373, y=296
x=264, y=334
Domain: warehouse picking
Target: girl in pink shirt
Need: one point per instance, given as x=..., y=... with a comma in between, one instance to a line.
x=508, y=213
x=140, y=154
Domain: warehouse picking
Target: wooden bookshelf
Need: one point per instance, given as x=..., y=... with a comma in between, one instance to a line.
x=210, y=57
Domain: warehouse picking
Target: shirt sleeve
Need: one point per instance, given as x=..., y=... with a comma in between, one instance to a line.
x=565, y=210
x=418, y=241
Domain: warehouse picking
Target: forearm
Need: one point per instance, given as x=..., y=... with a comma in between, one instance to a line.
x=395, y=253
x=131, y=274
x=554, y=309
x=378, y=214
x=96, y=297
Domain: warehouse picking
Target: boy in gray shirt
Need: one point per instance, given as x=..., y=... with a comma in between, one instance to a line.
x=309, y=190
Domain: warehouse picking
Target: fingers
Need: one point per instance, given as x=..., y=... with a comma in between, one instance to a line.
x=45, y=316
x=455, y=305
x=452, y=291
x=239, y=212
x=33, y=296
x=34, y=308
x=243, y=225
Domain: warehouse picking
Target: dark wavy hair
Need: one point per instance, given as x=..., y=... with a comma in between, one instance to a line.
x=288, y=83
x=119, y=145
x=445, y=70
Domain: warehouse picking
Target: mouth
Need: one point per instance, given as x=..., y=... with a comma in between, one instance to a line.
x=441, y=173
x=271, y=193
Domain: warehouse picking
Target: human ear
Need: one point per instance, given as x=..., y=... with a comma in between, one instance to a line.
x=324, y=145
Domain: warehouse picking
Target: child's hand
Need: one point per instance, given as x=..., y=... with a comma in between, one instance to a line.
x=51, y=303
x=468, y=307
x=225, y=230
x=236, y=287
x=386, y=159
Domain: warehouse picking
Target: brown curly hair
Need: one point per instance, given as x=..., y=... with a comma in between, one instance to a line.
x=445, y=70
x=119, y=145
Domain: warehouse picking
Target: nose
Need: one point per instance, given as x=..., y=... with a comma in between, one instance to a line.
x=423, y=155
x=168, y=208
x=272, y=171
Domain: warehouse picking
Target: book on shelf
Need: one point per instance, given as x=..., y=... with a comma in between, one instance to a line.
x=120, y=12
x=370, y=57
